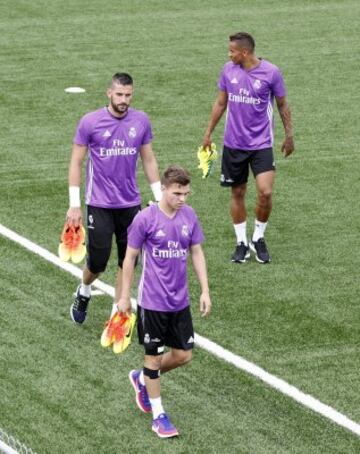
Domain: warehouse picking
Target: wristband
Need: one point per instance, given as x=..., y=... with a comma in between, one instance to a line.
x=156, y=190
x=74, y=196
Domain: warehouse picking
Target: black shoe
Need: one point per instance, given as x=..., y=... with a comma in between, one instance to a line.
x=79, y=307
x=241, y=253
x=260, y=250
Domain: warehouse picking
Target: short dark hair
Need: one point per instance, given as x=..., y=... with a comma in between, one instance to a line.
x=245, y=40
x=122, y=78
x=175, y=175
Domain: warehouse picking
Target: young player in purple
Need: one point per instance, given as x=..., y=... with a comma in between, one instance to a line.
x=112, y=138
x=166, y=233
x=247, y=88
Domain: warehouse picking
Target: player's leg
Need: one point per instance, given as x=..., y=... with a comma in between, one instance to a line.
x=234, y=174
x=175, y=358
x=263, y=167
x=152, y=326
x=100, y=228
x=161, y=423
x=180, y=338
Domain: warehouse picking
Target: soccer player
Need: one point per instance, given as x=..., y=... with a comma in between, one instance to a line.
x=247, y=88
x=112, y=138
x=166, y=232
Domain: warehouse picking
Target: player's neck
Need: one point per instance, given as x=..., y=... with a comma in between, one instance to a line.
x=114, y=113
x=167, y=209
x=251, y=63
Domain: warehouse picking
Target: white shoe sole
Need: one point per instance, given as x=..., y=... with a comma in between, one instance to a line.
x=252, y=248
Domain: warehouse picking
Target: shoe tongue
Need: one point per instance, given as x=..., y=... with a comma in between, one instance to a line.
x=162, y=416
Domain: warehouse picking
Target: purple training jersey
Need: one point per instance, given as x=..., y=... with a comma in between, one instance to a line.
x=165, y=242
x=249, y=119
x=113, y=148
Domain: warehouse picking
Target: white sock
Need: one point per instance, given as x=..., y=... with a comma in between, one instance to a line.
x=240, y=232
x=259, y=230
x=156, y=407
x=85, y=290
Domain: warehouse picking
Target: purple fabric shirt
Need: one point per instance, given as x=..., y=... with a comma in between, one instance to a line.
x=113, y=148
x=165, y=242
x=249, y=119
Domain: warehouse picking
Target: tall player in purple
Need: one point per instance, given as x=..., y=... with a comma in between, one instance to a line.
x=247, y=88
x=112, y=138
x=166, y=233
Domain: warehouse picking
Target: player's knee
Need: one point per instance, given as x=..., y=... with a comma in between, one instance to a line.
x=183, y=357
x=265, y=193
x=238, y=192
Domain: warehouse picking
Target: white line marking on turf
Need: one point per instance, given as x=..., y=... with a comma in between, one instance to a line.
x=206, y=344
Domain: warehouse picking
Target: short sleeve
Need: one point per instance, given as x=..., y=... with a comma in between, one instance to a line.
x=222, y=81
x=137, y=231
x=278, y=84
x=197, y=236
x=82, y=134
x=148, y=135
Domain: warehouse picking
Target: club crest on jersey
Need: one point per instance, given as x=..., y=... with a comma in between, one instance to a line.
x=185, y=230
x=257, y=84
x=132, y=132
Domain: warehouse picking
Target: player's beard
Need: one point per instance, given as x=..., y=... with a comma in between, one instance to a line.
x=121, y=109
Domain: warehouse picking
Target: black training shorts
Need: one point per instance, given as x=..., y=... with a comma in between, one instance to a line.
x=158, y=329
x=102, y=224
x=235, y=164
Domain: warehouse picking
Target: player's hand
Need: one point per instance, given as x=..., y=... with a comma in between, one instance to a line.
x=288, y=146
x=124, y=305
x=74, y=216
x=207, y=141
x=205, y=304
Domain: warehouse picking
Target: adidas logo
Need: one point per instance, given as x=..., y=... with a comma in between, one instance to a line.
x=160, y=233
x=107, y=133
x=234, y=80
x=191, y=340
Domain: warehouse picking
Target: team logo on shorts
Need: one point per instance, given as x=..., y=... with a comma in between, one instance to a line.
x=132, y=132
x=185, y=230
x=91, y=222
x=257, y=84
x=147, y=338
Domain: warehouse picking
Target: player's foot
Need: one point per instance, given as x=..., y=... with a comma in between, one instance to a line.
x=260, y=250
x=241, y=253
x=78, y=309
x=164, y=427
x=142, y=397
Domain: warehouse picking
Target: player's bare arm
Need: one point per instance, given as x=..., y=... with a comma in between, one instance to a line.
x=199, y=264
x=218, y=109
x=151, y=169
x=74, y=214
x=284, y=111
x=124, y=304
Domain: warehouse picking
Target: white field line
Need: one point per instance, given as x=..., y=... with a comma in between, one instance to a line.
x=213, y=348
x=6, y=449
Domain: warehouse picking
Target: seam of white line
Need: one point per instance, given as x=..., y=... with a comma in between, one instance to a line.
x=208, y=345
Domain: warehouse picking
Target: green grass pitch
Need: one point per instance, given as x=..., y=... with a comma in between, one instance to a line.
x=298, y=318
